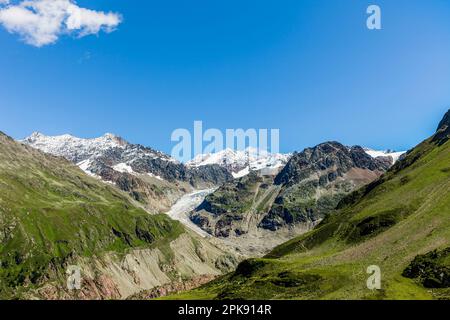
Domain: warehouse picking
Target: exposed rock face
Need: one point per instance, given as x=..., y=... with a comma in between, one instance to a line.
x=444, y=124
x=332, y=158
x=316, y=179
x=443, y=131
x=310, y=185
x=149, y=176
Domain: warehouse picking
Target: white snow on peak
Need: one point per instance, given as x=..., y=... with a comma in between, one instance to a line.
x=85, y=165
x=123, y=168
x=73, y=148
x=91, y=155
x=387, y=153
x=241, y=162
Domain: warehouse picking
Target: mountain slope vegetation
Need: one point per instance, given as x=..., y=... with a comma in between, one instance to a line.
x=400, y=223
x=53, y=215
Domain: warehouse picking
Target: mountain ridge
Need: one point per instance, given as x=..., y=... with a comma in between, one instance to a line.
x=149, y=176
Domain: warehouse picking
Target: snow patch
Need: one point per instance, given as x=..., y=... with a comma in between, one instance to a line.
x=155, y=176
x=123, y=168
x=387, y=153
x=85, y=165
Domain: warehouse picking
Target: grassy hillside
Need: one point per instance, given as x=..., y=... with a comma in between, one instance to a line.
x=52, y=214
x=400, y=223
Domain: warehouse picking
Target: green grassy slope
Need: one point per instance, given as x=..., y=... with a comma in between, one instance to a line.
x=388, y=223
x=51, y=213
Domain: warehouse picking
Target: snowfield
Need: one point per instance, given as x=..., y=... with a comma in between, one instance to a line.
x=375, y=154
x=241, y=162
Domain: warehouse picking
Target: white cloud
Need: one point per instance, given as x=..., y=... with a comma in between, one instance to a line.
x=42, y=22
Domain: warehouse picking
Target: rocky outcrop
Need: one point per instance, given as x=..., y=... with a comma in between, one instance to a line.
x=316, y=179
x=331, y=158
x=443, y=131
x=444, y=124
x=432, y=270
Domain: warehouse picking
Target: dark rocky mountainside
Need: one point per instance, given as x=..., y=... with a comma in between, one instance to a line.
x=316, y=179
x=444, y=124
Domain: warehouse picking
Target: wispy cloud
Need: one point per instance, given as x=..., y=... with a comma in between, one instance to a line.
x=42, y=22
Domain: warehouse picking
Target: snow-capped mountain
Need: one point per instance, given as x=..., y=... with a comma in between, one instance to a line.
x=387, y=153
x=240, y=163
x=79, y=150
x=141, y=171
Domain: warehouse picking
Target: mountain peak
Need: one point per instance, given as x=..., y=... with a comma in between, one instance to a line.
x=112, y=136
x=36, y=134
x=445, y=122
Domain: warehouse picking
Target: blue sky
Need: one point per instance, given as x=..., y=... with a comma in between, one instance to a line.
x=310, y=68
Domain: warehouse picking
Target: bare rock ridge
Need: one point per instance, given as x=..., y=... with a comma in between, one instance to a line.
x=444, y=124
x=443, y=130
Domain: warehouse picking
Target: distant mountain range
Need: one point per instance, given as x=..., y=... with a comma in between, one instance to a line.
x=151, y=177
x=93, y=155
